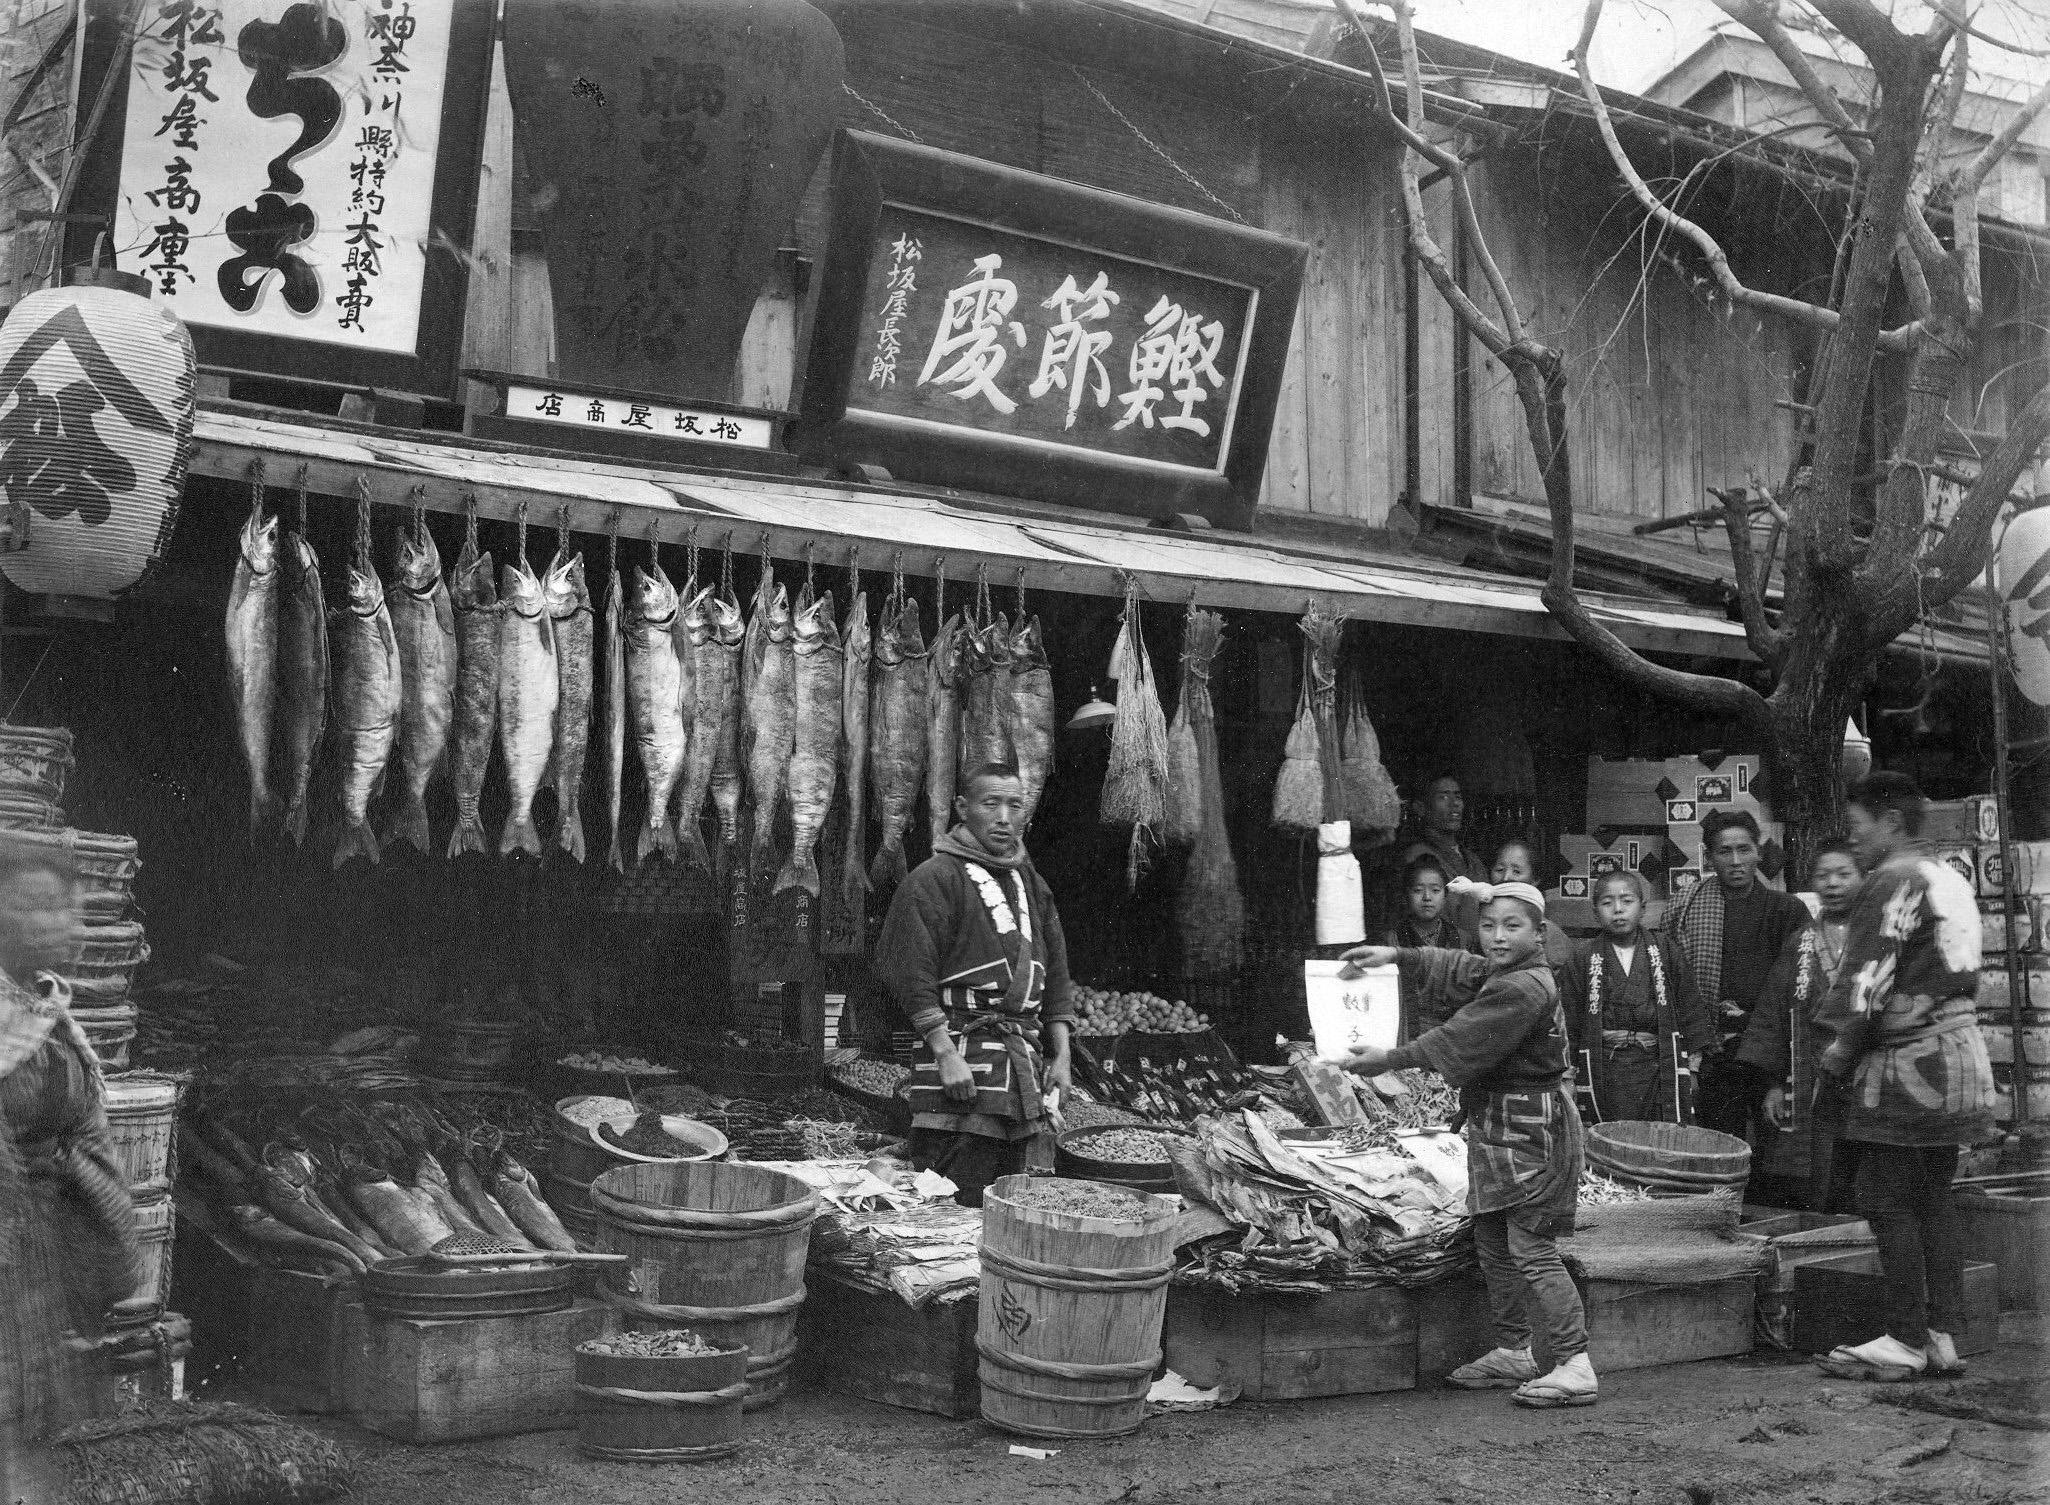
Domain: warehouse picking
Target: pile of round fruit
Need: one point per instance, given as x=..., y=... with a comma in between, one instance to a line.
x=1102, y=1013
x=591, y=1060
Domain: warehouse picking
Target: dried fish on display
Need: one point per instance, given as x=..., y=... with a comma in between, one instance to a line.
x=985, y=697
x=474, y=595
x=367, y=689
x=1210, y=911
x=818, y=674
x=897, y=733
x=1031, y=713
x=529, y=690
x=859, y=647
x=712, y=640
x=654, y=681
x=569, y=609
x=771, y=712
x=252, y=638
x=944, y=670
x=425, y=623
x=302, y=671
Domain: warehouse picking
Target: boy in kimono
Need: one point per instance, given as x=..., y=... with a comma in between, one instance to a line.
x=1638, y=1028
x=972, y=953
x=1499, y=1035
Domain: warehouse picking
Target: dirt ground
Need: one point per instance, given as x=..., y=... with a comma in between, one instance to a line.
x=1766, y=1428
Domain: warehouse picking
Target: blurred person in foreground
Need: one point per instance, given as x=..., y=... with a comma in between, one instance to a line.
x=973, y=954
x=1904, y=1044
x=68, y=1250
x=1499, y=1035
x=1805, y=1159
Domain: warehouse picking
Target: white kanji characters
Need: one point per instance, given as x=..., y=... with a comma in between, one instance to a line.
x=1180, y=349
x=973, y=319
x=1071, y=348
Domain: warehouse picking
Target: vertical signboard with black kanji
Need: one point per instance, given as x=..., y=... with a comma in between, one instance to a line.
x=297, y=181
x=993, y=329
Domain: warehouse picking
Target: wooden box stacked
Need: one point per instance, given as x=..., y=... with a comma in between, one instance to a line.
x=878, y=1347
x=1288, y=1347
x=447, y=1381
x=1630, y=1324
x=2006, y=1222
x=1843, y=1301
x=1797, y=1239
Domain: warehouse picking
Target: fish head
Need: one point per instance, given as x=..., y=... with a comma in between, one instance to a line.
x=366, y=592
x=728, y=628
x=654, y=597
x=779, y=616
x=947, y=649
x=475, y=586
x=856, y=635
x=522, y=590
x=302, y=562
x=908, y=640
x=1028, y=647
x=814, y=628
x=419, y=562
x=697, y=617
x=564, y=586
x=260, y=543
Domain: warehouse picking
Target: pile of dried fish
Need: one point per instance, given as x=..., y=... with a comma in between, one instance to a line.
x=1597, y=1190
x=677, y=1343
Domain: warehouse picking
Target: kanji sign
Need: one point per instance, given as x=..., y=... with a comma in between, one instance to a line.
x=632, y=415
x=304, y=172
x=1015, y=333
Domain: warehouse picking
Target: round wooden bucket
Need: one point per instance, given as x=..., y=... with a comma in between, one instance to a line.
x=715, y=1247
x=574, y=1162
x=683, y=1408
x=1675, y=1158
x=155, y=1223
x=422, y=1291
x=1069, y=1326
x=141, y=1106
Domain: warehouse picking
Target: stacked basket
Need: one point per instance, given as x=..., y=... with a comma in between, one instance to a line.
x=34, y=761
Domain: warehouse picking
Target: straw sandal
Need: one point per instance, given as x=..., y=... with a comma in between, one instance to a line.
x=1884, y=1361
x=1573, y=1383
x=1942, y=1355
x=1497, y=1369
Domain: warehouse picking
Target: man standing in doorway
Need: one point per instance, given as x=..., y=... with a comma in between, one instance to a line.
x=1442, y=812
x=973, y=954
x=1731, y=929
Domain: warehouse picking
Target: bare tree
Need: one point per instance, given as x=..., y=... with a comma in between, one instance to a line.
x=1861, y=562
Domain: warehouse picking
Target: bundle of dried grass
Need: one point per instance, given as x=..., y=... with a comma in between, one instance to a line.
x=1183, y=816
x=1372, y=803
x=1135, y=786
x=199, y=1455
x=1299, y=791
x=1210, y=914
x=1323, y=635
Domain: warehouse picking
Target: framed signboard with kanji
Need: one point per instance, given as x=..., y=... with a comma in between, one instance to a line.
x=996, y=330
x=297, y=181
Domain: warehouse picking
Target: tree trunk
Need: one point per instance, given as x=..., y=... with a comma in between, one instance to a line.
x=1827, y=672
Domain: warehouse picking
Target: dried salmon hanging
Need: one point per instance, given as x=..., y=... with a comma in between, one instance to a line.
x=1135, y=786
x=1211, y=912
x=1183, y=815
x=1299, y=791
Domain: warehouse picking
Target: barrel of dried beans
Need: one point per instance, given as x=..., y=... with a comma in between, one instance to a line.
x=1072, y=1303
x=712, y=1246
x=674, y=1408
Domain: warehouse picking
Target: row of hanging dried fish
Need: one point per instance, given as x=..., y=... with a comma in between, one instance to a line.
x=775, y=710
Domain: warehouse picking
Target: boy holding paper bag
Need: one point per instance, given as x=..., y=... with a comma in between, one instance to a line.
x=1497, y=1033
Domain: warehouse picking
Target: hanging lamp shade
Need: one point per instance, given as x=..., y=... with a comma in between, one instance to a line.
x=1094, y=712
x=96, y=409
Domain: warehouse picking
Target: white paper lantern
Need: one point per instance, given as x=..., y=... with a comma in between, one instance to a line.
x=2021, y=581
x=96, y=409
x=1856, y=758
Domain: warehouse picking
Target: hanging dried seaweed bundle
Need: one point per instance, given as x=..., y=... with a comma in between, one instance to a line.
x=1135, y=786
x=1211, y=912
x=1183, y=816
x=1371, y=801
x=1299, y=791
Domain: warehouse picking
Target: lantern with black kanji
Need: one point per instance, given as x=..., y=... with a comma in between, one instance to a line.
x=96, y=409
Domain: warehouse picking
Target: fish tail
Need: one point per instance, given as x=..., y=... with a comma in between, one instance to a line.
x=569, y=834
x=657, y=836
x=692, y=837
x=259, y=810
x=801, y=871
x=853, y=876
x=356, y=840
x=295, y=821
x=521, y=835
x=889, y=866
x=616, y=859
x=409, y=824
x=468, y=836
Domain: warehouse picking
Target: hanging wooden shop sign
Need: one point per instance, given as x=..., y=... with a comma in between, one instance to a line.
x=298, y=182
x=997, y=330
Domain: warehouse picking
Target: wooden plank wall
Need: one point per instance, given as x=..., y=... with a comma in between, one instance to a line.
x=2009, y=360
x=1669, y=394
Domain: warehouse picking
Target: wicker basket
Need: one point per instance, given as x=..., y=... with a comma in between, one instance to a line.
x=106, y=866
x=1674, y=1158
x=110, y=953
x=35, y=759
x=22, y=811
x=110, y=1030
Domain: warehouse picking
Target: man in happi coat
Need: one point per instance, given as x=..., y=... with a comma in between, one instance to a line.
x=1904, y=1044
x=972, y=952
x=1731, y=929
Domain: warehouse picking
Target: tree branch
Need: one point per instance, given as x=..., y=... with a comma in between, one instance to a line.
x=1767, y=641
x=1868, y=28
x=1959, y=557
x=2003, y=142
x=1762, y=20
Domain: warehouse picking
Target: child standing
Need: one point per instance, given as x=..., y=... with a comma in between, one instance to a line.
x=1635, y=1020
x=1499, y=1035
x=1424, y=921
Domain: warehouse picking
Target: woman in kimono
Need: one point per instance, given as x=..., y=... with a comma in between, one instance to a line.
x=1637, y=1025
x=68, y=1250
x=1499, y=1036
x=1802, y=1152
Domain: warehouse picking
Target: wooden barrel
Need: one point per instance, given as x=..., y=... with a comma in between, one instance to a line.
x=1668, y=1156
x=715, y=1247
x=681, y=1408
x=418, y=1289
x=574, y=1162
x=1069, y=1326
x=140, y=1108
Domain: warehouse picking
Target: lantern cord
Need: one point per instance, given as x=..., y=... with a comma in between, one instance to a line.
x=299, y=503
x=363, y=525
x=520, y=522
x=256, y=487
x=470, y=523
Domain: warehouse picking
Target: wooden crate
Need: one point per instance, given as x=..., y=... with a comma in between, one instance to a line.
x=1454, y=1326
x=446, y=1381
x=1843, y=1300
x=2006, y=1222
x=880, y=1348
x=1635, y=1325
x=1797, y=1239
x=1290, y=1347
